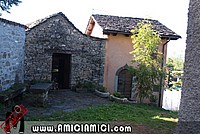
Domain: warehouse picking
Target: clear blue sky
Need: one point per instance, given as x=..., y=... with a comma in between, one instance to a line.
x=172, y=13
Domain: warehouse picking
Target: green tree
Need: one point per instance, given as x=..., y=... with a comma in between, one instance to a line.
x=7, y=4
x=145, y=53
x=177, y=63
x=174, y=64
x=170, y=63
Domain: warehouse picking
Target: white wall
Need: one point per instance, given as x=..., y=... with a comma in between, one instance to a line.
x=171, y=100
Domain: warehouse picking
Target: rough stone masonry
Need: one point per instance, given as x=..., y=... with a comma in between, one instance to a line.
x=189, y=112
x=56, y=34
x=12, y=40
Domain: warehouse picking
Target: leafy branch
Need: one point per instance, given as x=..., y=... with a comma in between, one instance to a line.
x=5, y=5
x=148, y=58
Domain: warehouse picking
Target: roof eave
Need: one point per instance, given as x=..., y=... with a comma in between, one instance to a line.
x=105, y=31
x=171, y=37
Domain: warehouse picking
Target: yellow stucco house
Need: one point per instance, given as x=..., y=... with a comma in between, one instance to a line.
x=116, y=30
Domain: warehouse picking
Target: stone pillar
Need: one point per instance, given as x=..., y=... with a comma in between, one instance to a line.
x=189, y=112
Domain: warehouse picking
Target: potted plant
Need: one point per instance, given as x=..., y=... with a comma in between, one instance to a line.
x=102, y=92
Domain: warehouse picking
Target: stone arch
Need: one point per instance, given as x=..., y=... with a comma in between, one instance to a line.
x=121, y=68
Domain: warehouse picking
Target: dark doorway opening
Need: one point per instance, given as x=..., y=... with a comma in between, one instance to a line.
x=124, y=83
x=61, y=66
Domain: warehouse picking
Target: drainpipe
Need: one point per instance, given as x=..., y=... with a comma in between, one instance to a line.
x=161, y=79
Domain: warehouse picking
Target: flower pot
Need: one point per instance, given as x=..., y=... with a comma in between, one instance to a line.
x=117, y=99
x=121, y=100
x=102, y=94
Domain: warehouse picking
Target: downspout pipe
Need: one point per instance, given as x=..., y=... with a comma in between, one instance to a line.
x=161, y=79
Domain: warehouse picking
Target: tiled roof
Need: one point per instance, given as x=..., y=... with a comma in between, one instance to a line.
x=12, y=23
x=116, y=24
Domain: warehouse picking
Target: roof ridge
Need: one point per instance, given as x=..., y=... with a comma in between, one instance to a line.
x=126, y=17
x=12, y=22
x=39, y=21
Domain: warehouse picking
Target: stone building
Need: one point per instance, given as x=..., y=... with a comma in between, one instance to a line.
x=57, y=50
x=12, y=39
x=189, y=111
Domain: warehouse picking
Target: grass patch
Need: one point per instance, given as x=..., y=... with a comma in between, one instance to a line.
x=141, y=114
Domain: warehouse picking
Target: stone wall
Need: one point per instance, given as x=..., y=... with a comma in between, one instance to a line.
x=189, y=111
x=12, y=39
x=56, y=34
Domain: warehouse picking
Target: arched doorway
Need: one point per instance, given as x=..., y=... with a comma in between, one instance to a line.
x=124, y=85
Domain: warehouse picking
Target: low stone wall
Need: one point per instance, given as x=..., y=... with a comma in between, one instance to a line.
x=12, y=40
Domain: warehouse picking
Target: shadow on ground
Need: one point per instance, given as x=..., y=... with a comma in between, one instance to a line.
x=58, y=100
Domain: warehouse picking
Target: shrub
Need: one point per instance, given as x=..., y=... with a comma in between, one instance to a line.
x=153, y=98
x=118, y=94
x=102, y=89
